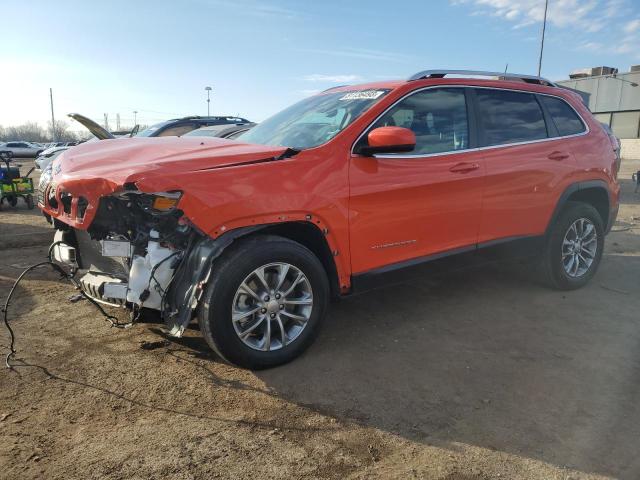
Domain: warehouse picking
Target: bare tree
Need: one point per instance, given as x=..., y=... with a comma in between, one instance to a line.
x=28, y=132
x=61, y=132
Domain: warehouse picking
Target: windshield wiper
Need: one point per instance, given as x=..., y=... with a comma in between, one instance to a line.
x=288, y=153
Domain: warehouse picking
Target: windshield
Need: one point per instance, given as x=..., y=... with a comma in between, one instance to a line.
x=147, y=132
x=313, y=121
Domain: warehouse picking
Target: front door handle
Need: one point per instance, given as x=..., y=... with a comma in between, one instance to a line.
x=464, y=167
x=558, y=156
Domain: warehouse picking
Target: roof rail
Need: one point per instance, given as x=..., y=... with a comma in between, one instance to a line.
x=501, y=75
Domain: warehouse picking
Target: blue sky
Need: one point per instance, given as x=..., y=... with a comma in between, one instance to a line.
x=260, y=56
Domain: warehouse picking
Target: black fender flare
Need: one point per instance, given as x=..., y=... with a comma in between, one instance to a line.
x=192, y=276
x=576, y=187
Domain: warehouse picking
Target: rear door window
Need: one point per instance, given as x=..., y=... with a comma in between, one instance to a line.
x=565, y=118
x=509, y=117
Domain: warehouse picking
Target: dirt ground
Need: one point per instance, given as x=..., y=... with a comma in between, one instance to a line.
x=473, y=375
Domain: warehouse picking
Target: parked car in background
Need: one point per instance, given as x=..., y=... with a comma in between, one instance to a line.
x=179, y=126
x=47, y=156
x=221, y=131
x=22, y=149
x=344, y=191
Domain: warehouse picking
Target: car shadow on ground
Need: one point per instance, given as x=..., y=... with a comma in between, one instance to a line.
x=486, y=357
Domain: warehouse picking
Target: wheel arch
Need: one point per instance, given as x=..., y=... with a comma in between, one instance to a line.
x=307, y=234
x=592, y=192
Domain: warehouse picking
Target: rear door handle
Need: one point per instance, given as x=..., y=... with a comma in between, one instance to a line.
x=558, y=156
x=464, y=167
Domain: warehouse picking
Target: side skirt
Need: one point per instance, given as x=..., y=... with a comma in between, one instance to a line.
x=463, y=258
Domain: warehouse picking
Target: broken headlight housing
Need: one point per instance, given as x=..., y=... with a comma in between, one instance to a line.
x=160, y=202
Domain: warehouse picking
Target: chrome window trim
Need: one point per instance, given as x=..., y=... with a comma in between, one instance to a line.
x=476, y=149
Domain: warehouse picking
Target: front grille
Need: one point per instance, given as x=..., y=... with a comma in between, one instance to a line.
x=90, y=257
x=40, y=194
x=66, y=199
x=82, y=207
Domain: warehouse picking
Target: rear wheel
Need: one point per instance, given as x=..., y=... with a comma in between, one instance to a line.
x=264, y=303
x=29, y=200
x=574, y=247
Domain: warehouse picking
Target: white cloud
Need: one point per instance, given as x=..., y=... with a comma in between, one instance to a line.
x=318, y=77
x=633, y=26
x=362, y=53
x=582, y=14
x=253, y=8
x=602, y=27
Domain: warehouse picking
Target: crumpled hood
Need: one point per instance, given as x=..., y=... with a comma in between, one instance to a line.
x=91, y=171
x=130, y=159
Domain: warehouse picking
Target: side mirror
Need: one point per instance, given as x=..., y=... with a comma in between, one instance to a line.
x=388, y=140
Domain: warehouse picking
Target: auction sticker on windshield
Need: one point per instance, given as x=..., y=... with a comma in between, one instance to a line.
x=363, y=95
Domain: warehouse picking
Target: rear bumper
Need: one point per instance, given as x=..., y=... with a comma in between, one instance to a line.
x=614, y=206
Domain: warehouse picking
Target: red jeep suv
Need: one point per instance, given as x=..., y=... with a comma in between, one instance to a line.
x=253, y=236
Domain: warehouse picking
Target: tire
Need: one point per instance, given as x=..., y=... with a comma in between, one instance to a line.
x=239, y=265
x=29, y=200
x=558, y=267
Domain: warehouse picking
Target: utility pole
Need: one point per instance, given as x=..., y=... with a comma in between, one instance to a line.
x=135, y=118
x=106, y=121
x=544, y=28
x=208, y=89
x=118, y=121
x=53, y=120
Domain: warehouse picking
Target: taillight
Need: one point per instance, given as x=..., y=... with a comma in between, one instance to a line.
x=615, y=144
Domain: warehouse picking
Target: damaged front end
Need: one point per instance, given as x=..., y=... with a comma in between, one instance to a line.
x=140, y=251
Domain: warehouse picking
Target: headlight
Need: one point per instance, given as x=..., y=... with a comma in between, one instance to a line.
x=45, y=177
x=165, y=201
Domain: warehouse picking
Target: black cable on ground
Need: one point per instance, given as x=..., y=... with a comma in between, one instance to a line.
x=69, y=276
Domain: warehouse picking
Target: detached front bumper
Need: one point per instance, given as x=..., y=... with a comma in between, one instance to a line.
x=104, y=279
x=170, y=281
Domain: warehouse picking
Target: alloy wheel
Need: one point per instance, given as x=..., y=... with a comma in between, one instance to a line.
x=579, y=247
x=272, y=306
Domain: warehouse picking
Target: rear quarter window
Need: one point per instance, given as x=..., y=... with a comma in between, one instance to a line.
x=509, y=117
x=564, y=117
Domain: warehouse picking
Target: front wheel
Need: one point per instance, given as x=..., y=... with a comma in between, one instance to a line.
x=264, y=303
x=574, y=247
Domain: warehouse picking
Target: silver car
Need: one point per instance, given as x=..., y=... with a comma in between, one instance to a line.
x=47, y=156
x=22, y=149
